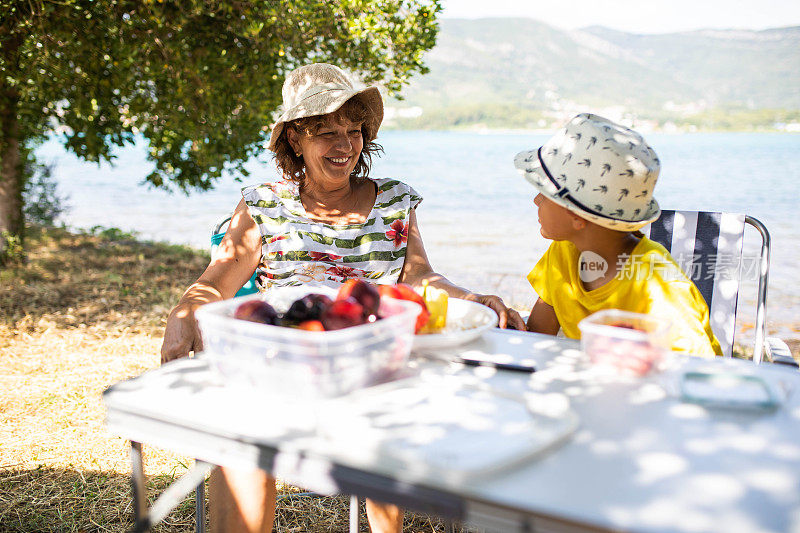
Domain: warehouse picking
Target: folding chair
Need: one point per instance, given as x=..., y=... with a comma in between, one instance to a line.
x=216, y=237
x=708, y=247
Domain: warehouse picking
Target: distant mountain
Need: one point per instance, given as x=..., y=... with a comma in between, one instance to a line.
x=758, y=69
x=530, y=65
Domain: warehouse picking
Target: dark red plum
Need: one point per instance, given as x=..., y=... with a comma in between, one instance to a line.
x=257, y=311
x=343, y=314
x=309, y=307
x=362, y=292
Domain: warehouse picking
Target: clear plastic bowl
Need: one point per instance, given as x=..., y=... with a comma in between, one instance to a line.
x=632, y=343
x=305, y=363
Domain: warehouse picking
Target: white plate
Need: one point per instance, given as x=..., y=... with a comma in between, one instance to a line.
x=466, y=321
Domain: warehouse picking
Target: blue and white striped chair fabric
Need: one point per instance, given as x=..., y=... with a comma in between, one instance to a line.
x=708, y=247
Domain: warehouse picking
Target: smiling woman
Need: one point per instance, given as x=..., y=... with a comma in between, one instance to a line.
x=326, y=221
x=354, y=116
x=331, y=149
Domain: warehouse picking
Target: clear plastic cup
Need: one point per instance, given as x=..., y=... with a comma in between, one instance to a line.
x=631, y=343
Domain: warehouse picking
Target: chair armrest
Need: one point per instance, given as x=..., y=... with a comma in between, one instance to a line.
x=777, y=352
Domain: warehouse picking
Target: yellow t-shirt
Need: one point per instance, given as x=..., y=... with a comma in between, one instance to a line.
x=649, y=282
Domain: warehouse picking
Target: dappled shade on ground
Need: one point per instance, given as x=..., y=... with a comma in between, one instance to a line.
x=86, y=311
x=103, y=279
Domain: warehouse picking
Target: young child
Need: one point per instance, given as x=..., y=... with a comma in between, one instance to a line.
x=595, y=180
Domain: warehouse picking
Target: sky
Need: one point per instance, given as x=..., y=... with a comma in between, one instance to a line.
x=637, y=16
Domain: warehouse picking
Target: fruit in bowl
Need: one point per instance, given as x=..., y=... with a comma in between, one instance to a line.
x=401, y=291
x=436, y=302
x=257, y=311
x=357, y=302
x=311, y=325
x=309, y=307
x=305, y=358
x=343, y=313
x=365, y=294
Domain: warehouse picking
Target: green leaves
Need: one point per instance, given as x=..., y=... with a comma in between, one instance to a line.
x=197, y=80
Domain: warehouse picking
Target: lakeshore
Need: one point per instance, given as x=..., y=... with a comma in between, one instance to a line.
x=477, y=219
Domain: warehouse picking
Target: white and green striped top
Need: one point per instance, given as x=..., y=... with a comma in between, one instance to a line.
x=296, y=250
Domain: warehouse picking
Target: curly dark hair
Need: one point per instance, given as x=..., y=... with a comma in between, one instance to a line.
x=293, y=167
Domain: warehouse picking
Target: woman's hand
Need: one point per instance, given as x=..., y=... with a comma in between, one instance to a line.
x=507, y=318
x=181, y=335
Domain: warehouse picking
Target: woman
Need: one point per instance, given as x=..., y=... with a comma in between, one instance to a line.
x=327, y=221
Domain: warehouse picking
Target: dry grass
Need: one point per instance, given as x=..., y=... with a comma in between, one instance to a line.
x=86, y=311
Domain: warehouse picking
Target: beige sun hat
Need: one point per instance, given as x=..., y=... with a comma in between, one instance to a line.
x=319, y=89
x=597, y=169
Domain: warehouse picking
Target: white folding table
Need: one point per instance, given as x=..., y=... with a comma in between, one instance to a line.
x=638, y=459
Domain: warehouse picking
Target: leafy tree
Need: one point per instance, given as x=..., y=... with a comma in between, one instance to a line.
x=197, y=79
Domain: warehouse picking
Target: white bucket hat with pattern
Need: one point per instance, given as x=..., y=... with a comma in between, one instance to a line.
x=319, y=89
x=599, y=170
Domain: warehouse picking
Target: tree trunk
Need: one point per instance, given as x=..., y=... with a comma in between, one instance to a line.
x=11, y=171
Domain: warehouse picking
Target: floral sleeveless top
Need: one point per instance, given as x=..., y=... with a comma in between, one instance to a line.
x=296, y=250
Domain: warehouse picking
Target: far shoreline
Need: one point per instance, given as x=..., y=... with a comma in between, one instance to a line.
x=476, y=130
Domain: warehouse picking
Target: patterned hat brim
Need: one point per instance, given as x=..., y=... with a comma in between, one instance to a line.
x=370, y=96
x=528, y=164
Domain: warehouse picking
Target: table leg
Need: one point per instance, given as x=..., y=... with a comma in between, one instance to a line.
x=354, y=514
x=200, y=508
x=172, y=495
x=141, y=520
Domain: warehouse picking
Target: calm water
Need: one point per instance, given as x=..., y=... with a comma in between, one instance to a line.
x=478, y=220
